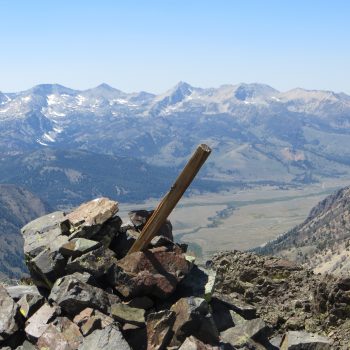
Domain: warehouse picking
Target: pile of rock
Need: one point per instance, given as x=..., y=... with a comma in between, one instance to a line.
x=296, y=303
x=88, y=293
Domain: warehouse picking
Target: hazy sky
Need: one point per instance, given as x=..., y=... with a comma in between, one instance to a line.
x=152, y=44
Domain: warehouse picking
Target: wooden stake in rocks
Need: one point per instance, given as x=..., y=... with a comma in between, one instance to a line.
x=170, y=200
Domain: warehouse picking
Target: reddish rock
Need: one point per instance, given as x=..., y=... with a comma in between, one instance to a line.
x=152, y=272
x=62, y=334
x=52, y=338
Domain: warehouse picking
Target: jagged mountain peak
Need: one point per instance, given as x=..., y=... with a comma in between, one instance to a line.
x=103, y=91
x=173, y=96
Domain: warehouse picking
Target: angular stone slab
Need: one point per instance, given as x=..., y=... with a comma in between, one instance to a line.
x=299, y=340
x=97, y=262
x=29, y=304
x=61, y=334
x=17, y=292
x=193, y=318
x=9, y=315
x=87, y=219
x=78, y=247
x=241, y=335
x=159, y=326
x=46, y=267
x=108, y=338
x=42, y=233
x=127, y=314
x=73, y=296
x=153, y=272
x=37, y=324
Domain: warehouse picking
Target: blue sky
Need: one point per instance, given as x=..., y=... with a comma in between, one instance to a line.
x=151, y=45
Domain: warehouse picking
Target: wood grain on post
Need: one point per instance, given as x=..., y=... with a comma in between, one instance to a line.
x=170, y=200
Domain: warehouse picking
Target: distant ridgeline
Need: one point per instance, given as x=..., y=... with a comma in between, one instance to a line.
x=259, y=134
x=322, y=241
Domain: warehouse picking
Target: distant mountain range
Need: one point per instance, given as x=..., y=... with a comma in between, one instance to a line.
x=259, y=135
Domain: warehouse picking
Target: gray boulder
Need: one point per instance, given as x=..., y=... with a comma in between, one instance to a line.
x=17, y=292
x=9, y=315
x=97, y=262
x=77, y=247
x=73, y=296
x=46, y=267
x=42, y=233
x=108, y=338
x=242, y=334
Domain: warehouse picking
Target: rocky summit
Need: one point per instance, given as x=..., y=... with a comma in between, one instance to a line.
x=86, y=292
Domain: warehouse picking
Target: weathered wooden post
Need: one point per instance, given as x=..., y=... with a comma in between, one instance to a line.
x=168, y=203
